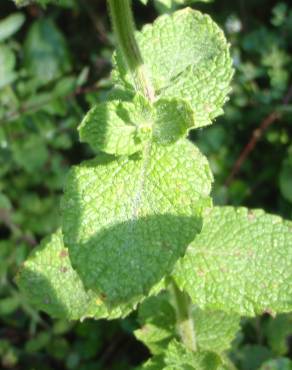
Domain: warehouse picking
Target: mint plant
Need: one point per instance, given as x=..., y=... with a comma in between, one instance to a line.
x=139, y=228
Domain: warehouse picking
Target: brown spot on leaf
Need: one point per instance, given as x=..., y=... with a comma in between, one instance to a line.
x=250, y=215
x=63, y=253
x=270, y=312
x=63, y=269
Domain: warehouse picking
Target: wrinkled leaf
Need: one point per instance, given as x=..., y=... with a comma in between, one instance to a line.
x=241, y=262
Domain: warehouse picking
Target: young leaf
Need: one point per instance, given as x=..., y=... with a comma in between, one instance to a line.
x=127, y=220
x=241, y=262
x=118, y=127
x=49, y=282
x=215, y=330
x=121, y=127
x=179, y=357
x=173, y=119
x=187, y=57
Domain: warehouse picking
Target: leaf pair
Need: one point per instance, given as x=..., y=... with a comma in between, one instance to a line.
x=240, y=264
x=188, y=63
x=124, y=127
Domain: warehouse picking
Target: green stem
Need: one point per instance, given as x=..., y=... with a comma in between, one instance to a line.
x=185, y=322
x=124, y=29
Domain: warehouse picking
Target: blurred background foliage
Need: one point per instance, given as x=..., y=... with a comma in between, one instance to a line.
x=55, y=64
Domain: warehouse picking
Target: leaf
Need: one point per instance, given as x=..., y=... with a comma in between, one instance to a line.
x=10, y=25
x=166, y=6
x=178, y=357
x=64, y=3
x=30, y=154
x=285, y=178
x=46, y=54
x=117, y=127
x=277, y=364
x=251, y=357
x=215, y=330
x=49, y=282
x=7, y=64
x=127, y=220
x=173, y=119
x=277, y=331
x=187, y=57
x=241, y=262
x=121, y=127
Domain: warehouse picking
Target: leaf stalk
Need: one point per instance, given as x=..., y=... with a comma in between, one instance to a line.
x=124, y=29
x=185, y=323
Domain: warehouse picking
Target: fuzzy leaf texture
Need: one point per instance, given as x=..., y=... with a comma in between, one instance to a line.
x=178, y=357
x=186, y=56
x=241, y=262
x=215, y=330
x=126, y=221
x=49, y=282
x=122, y=127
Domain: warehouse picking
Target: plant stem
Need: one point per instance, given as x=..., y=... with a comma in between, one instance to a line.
x=124, y=29
x=185, y=322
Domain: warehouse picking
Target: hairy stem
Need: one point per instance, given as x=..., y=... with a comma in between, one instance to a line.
x=184, y=319
x=124, y=29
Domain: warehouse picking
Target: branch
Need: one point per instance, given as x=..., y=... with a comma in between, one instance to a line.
x=5, y=218
x=36, y=107
x=255, y=137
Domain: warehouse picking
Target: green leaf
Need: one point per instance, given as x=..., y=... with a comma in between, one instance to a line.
x=173, y=119
x=215, y=330
x=117, y=127
x=178, y=357
x=121, y=127
x=30, y=154
x=46, y=54
x=10, y=25
x=251, y=357
x=7, y=64
x=187, y=57
x=285, y=178
x=277, y=331
x=64, y=3
x=277, y=364
x=167, y=6
x=155, y=363
x=127, y=220
x=49, y=282
x=241, y=262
